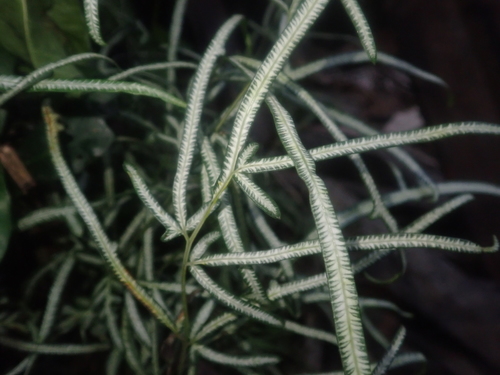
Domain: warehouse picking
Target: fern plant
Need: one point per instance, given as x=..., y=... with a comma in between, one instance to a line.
x=201, y=292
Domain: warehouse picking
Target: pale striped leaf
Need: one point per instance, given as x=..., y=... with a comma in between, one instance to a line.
x=340, y=278
x=92, y=85
x=151, y=67
x=365, y=303
x=91, y=8
x=347, y=120
x=426, y=220
x=168, y=287
x=215, y=324
x=238, y=305
x=362, y=28
x=400, y=154
x=301, y=21
x=359, y=58
x=203, y=245
x=193, y=116
x=110, y=316
x=234, y=244
x=206, y=186
x=390, y=355
x=411, y=195
x=44, y=215
x=54, y=297
x=310, y=332
x=107, y=249
x=262, y=257
x=257, y=195
x=136, y=320
x=277, y=291
x=45, y=71
x=58, y=349
x=249, y=151
x=150, y=202
x=377, y=142
x=174, y=36
x=233, y=360
x=364, y=243
x=202, y=317
x=131, y=353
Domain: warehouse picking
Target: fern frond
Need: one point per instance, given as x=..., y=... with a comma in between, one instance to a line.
x=91, y=8
x=107, y=249
x=233, y=360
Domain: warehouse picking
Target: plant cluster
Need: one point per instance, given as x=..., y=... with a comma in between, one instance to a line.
x=205, y=269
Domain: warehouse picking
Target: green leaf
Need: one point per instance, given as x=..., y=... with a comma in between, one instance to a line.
x=359, y=58
x=233, y=360
x=203, y=245
x=303, y=18
x=5, y=220
x=107, y=249
x=202, y=317
x=92, y=85
x=231, y=301
x=54, y=297
x=42, y=32
x=150, y=202
x=92, y=17
x=376, y=142
x=344, y=298
x=259, y=196
x=390, y=355
x=58, y=349
x=215, y=324
x=42, y=72
x=193, y=116
x=362, y=28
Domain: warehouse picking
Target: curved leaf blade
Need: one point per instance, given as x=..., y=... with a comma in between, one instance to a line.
x=193, y=116
x=362, y=28
x=91, y=8
x=341, y=284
